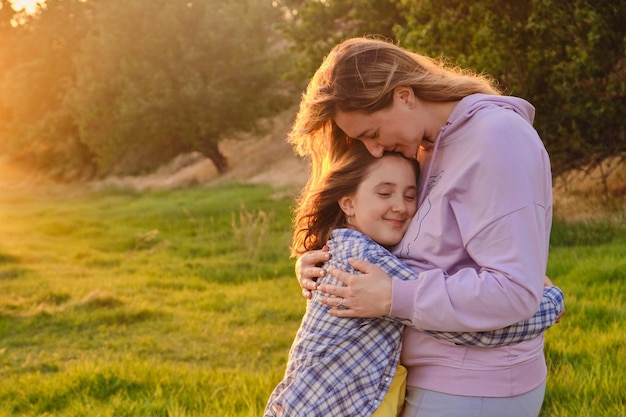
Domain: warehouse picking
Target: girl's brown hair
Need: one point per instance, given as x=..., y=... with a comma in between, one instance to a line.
x=318, y=211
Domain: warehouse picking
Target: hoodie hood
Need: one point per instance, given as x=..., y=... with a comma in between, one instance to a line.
x=463, y=113
x=469, y=105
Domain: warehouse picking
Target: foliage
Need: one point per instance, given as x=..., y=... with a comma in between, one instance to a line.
x=36, y=128
x=567, y=57
x=313, y=27
x=124, y=304
x=124, y=86
x=157, y=78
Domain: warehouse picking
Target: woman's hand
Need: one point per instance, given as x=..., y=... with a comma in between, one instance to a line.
x=365, y=295
x=308, y=271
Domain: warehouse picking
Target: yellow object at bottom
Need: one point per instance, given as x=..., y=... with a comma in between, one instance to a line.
x=393, y=402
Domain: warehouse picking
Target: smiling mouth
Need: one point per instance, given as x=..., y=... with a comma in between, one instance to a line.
x=396, y=222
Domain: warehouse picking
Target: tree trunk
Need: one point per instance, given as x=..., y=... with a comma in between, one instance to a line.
x=212, y=151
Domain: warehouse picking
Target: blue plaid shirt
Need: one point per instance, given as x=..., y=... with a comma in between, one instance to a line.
x=344, y=366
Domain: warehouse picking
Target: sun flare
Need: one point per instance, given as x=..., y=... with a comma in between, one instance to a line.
x=27, y=5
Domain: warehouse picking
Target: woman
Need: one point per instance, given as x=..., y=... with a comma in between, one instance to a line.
x=479, y=241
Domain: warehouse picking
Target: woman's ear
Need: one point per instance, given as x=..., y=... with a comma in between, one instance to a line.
x=347, y=205
x=406, y=95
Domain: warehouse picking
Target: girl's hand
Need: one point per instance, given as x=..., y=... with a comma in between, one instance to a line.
x=308, y=271
x=365, y=295
x=547, y=282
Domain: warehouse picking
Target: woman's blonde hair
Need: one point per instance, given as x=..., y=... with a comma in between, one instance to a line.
x=318, y=211
x=360, y=74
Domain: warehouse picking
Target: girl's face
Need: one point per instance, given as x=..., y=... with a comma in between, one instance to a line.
x=398, y=128
x=384, y=202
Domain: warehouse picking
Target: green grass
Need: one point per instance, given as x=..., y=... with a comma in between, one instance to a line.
x=586, y=352
x=184, y=303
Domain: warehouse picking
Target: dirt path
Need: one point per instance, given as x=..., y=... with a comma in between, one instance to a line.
x=267, y=159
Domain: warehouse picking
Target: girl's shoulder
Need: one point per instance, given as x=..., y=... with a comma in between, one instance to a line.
x=347, y=242
x=350, y=243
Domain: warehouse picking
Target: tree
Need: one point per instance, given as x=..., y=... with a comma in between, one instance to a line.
x=157, y=78
x=97, y=87
x=7, y=37
x=580, y=112
x=37, y=130
x=566, y=57
x=313, y=27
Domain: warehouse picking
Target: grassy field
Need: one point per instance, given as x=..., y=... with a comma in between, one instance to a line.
x=184, y=303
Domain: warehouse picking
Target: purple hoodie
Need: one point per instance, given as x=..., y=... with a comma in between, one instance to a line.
x=479, y=243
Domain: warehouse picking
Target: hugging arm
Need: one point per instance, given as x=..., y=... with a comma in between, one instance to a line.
x=550, y=310
x=549, y=313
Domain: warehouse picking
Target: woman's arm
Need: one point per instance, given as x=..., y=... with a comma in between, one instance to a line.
x=374, y=300
x=550, y=311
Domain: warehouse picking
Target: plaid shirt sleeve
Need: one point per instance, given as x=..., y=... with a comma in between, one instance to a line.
x=551, y=306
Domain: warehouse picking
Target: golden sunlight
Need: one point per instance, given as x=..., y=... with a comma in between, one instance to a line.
x=29, y=6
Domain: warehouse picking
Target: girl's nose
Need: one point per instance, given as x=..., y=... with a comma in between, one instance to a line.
x=399, y=205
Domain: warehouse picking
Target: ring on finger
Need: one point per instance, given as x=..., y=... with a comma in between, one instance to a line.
x=341, y=305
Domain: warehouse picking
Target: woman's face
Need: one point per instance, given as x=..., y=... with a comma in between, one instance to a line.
x=397, y=128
